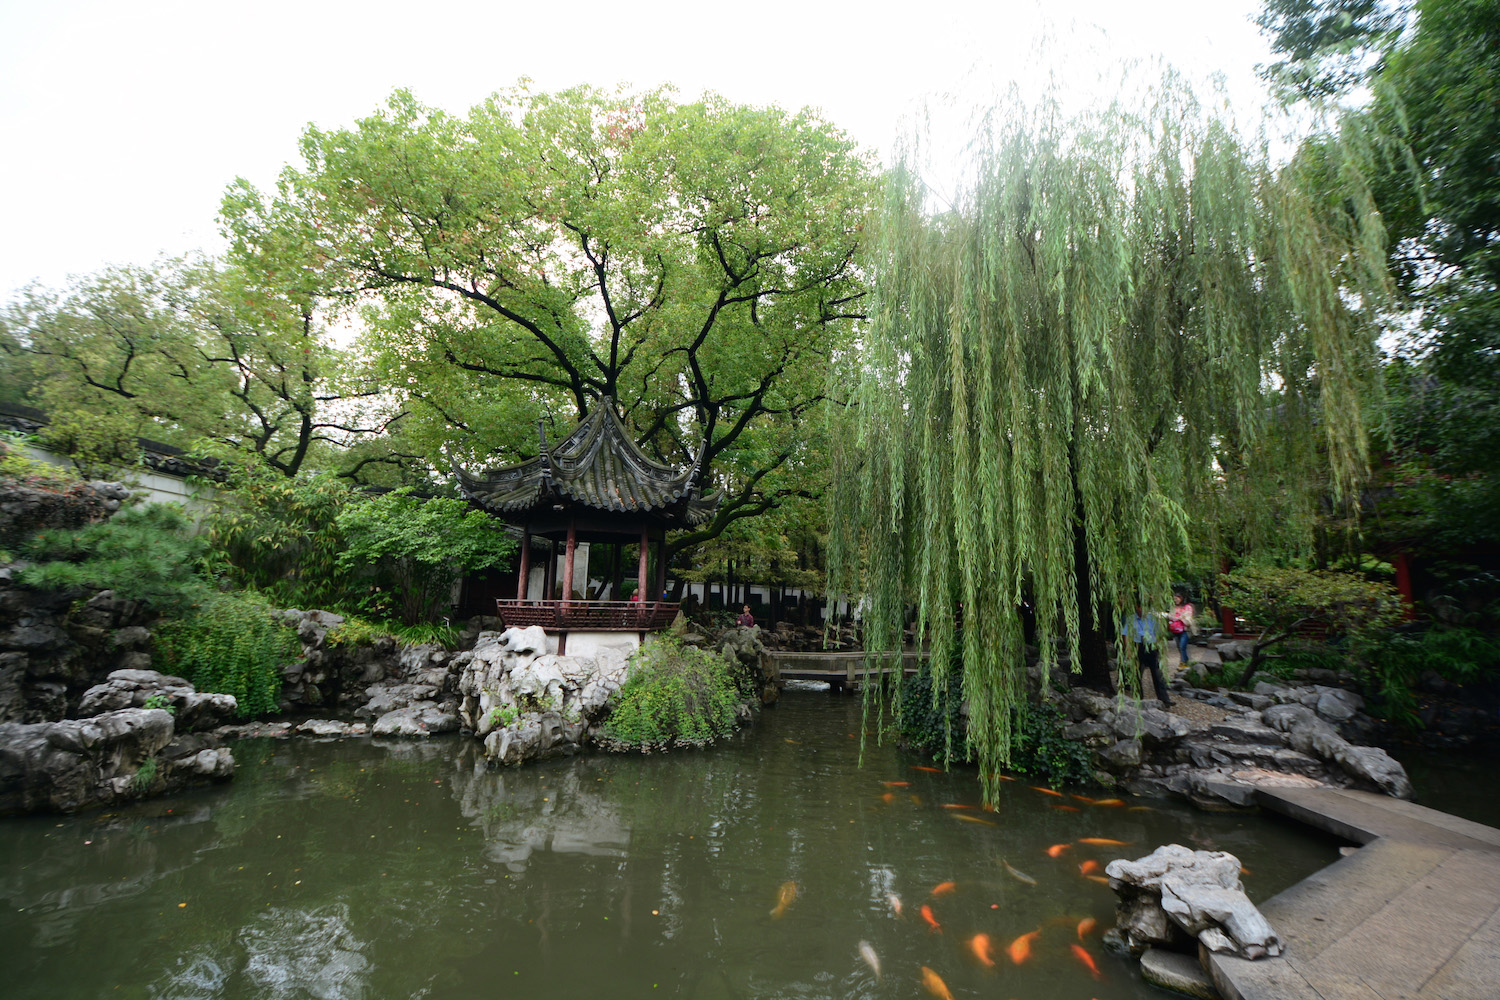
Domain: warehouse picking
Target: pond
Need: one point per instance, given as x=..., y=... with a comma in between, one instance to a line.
x=358, y=871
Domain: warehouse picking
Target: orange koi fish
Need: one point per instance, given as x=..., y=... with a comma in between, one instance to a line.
x=896, y=784
x=1084, y=799
x=1020, y=948
x=1086, y=959
x=1056, y=850
x=956, y=805
x=1097, y=878
x=1103, y=842
x=888, y=798
x=1002, y=777
x=1019, y=876
x=935, y=984
x=895, y=902
x=1045, y=791
x=933, y=926
x=1140, y=809
x=790, y=740
x=784, y=899
x=979, y=944
x=929, y=770
x=1088, y=867
x=1065, y=809
x=972, y=819
x=1109, y=803
x=1086, y=926
x=943, y=888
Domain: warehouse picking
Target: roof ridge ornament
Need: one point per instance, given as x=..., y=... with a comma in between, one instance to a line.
x=542, y=455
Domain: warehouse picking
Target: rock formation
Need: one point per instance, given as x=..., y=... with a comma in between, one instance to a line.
x=526, y=703
x=124, y=754
x=1175, y=894
x=1290, y=735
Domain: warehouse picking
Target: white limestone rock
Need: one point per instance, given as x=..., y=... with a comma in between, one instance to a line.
x=1200, y=892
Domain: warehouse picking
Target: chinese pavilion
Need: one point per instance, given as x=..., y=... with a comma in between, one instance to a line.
x=595, y=486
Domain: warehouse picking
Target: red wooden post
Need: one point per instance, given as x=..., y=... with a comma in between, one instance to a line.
x=568, y=564
x=549, y=575
x=1403, y=584
x=640, y=582
x=523, y=585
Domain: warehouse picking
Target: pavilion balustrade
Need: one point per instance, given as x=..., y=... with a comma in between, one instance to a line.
x=589, y=616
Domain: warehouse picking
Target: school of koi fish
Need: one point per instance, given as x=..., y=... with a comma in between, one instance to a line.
x=1062, y=936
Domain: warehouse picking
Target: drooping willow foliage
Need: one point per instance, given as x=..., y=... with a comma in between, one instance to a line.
x=1130, y=337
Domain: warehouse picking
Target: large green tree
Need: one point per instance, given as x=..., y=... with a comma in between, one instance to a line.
x=187, y=352
x=1128, y=328
x=1431, y=71
x=693, y=262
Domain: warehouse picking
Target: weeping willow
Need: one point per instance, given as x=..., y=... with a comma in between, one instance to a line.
x=1130, y=338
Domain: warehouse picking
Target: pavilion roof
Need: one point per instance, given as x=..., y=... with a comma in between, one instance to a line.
x=597, y=468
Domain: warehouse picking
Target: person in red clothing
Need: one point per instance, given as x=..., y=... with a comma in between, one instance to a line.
x=1180, y=624
x=746, y=619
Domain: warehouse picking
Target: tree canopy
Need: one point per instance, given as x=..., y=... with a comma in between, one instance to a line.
x=1431, y=71
x=186, y=352
x=1127, y=326
x=694, y=262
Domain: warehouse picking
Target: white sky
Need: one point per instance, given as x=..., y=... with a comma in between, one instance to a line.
x=124, y=121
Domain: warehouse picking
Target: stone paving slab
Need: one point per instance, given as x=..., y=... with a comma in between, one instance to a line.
x=1413, y=914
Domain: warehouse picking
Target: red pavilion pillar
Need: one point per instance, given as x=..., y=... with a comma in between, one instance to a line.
x=640, y=582
x=522, y=585
x=568, y=562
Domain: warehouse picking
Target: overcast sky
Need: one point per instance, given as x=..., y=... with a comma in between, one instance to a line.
x=124, y=122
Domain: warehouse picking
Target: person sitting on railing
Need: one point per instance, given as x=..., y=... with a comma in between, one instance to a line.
x=746, y=619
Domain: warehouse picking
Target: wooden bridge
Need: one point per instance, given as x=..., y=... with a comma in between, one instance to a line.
x=840, y=670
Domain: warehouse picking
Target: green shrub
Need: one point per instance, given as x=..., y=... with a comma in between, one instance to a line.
x=1281, y=601
x=425, y=633
x=409, y=549
x=676, y=696
x=1043, y=752
x=16, y=466
x=231, y=643
x=1306, y=656
x=145, y=775
x=357, y=631
x=162, y=702
x=143, y=554
x=278, y=534
x=928, y=717
x=1459, y=655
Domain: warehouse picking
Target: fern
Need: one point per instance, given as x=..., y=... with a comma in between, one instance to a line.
x=232, y=643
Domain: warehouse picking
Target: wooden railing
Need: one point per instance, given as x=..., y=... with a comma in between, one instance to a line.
x=589, y=616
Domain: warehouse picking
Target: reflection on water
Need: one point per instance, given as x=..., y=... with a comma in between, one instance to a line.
x=348, y=870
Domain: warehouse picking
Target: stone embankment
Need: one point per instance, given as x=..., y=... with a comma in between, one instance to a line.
x=508, y=687
x=1276, y=735
x=131, y=741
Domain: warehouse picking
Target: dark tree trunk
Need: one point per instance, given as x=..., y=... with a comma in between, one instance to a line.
x=1093, y=651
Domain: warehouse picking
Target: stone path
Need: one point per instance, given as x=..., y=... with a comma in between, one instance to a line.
x=1413, y=913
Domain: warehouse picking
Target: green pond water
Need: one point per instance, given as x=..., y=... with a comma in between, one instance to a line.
x=354, y=870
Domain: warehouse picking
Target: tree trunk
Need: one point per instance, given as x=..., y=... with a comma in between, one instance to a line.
x=1093, y=652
